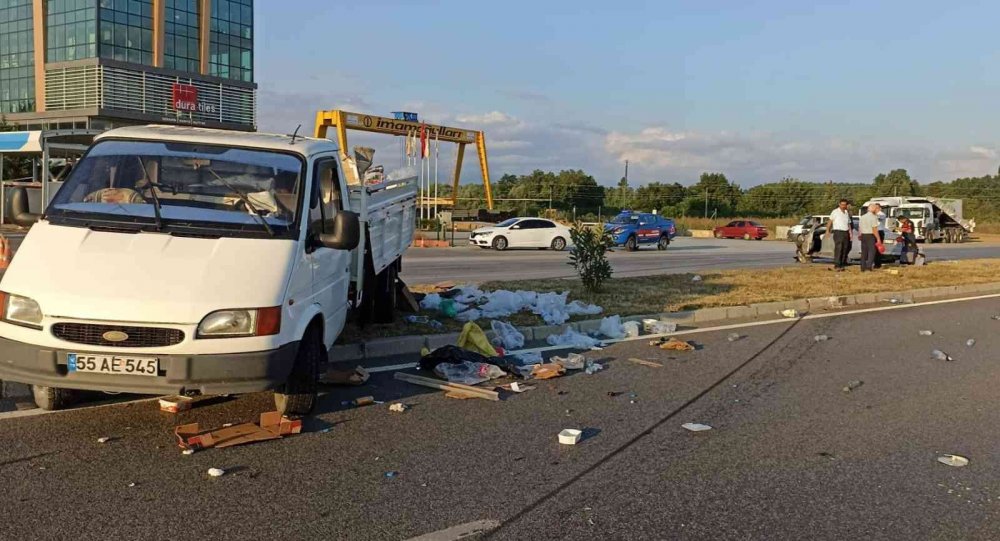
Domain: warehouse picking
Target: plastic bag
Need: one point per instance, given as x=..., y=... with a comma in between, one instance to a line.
x=454, y=355
x=663, y=327
x=529, y=358
x=468, y=373
x=577, y=308
x=507, y=336
x=552, y=307
x=611, y=327
x=448, y=307
x=474, y=339
x=431, y=301
x=590, y=367
x=472, y=314
x=631, y=328
x=502, y=304
x=469, y=295
x=573, y=361
x=571, y=338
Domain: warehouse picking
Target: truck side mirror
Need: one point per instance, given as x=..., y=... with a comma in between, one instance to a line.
x=18, y=210
x=344, y=231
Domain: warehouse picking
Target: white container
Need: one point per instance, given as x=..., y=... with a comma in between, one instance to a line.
x=647, y=324
x=570, y=436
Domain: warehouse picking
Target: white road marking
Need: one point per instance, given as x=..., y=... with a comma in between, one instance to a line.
x=459, y=532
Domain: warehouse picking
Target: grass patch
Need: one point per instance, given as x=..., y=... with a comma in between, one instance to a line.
x=676, y=292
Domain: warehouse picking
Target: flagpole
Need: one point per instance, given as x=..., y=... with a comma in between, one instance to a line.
x=437, y=156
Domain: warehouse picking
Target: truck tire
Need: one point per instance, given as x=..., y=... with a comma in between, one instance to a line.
x=297, y=396
x=631, y=244
x=500, y=244
x=663, y=243
x=558, y=244
x=51, y=398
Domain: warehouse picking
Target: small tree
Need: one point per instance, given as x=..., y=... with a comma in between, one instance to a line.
x=589, y=255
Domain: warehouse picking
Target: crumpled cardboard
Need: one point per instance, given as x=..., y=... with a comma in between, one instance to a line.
x=547, y=371
x=673, y=344
x=356, y=376
x=272, y=426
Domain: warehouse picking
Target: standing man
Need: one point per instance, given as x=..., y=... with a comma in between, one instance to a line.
x=840, y=224
x=869, y=237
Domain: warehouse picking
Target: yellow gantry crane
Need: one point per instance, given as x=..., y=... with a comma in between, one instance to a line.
x=342, y=121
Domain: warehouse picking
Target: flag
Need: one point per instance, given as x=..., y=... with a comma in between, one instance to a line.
x=409, y=144
x=423, y=141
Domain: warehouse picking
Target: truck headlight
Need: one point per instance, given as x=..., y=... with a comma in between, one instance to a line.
x=241, y=322
x=21, y=311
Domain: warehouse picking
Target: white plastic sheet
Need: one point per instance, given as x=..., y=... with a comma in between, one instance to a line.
x=611, y=327
x=507, y=335
x=572, y=338
x=431, y=301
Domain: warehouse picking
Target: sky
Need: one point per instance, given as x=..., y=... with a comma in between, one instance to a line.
x=756, y=90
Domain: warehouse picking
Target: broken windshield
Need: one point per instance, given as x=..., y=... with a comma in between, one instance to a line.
x=231, y=190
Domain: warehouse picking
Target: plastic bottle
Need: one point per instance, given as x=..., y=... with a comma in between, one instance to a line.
x=821, y=338
x=926, y=333
x=941, y=356
x=733, y=337
x=970, y=342
x=417, y=319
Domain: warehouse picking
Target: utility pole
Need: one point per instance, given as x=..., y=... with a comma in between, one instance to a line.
x=706, y=202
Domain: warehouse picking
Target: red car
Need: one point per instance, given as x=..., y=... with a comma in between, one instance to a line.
x=745, y=229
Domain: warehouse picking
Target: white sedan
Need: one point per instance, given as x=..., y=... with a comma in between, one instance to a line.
x=522, y=233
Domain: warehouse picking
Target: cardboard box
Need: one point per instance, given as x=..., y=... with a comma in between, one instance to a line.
x=272, y=426
x=176, y=403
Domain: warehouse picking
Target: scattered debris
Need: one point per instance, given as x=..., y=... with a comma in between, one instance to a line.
x=957, y=461
x=187, y=452
x=103, y=439
x=391, y=474
x=926, y=333
x=695, y=427
x=643, y=362
x=612, y=327
x=360, y=401
x=176, y=403
x=474, y=339
x=520, y=388
x=941, y=356
x=970, y=342
x=547, y=371
x=995, y=318
x=592, y=367
x=570, y=436
x=533, y=357
x=821, y=338
x=613, y=394
x=130, y=485
x=734, y=337
x=696, y=278
x=851, y=385
x=631, y=329
x=398, y=407
x=573, y=361
x=272, y=426
x=647, y=324
x=573, y=339
x=356, y=376
x=216, y=472
x=662, y=327
x=468, y=373
x=451, y=388
x=672, y=344
x=507, y=335
x=790, y=313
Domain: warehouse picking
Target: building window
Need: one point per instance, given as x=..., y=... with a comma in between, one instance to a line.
x=231, y=43
x=127, y=30
x=181, y=49
x=72, y=30
x=17, y=57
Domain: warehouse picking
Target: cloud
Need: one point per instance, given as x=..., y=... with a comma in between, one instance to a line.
x=527, y=96
x=493, y=118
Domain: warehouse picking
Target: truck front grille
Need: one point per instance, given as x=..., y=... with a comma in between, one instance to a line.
x=138, y=337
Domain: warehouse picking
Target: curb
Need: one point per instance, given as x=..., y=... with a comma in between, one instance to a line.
x=397, y=345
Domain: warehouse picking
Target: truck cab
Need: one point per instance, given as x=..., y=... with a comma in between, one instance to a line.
x=186, y=260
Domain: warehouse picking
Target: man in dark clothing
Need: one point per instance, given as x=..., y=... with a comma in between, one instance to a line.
x=909, y=240
x=839, y=224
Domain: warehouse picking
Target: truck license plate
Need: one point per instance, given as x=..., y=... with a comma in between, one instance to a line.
x=113, y=364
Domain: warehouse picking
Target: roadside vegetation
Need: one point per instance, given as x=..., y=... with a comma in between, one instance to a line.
x=676, y=292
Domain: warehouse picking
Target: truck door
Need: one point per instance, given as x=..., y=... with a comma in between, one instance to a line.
x=331, y=268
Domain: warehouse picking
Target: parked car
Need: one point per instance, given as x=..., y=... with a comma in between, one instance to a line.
x=633, y=229
x=741, y=229
x=806, y=223
x=522, y=233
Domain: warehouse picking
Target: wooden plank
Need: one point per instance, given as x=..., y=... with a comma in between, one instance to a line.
x=405, y=299
x=645, y=363
x=447, y=386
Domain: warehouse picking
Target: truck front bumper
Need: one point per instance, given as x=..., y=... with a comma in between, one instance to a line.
x=208, y=374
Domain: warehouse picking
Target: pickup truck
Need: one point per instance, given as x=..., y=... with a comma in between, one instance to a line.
x=186, y=260
x=633, y=229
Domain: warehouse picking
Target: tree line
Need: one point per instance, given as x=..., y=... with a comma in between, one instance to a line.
x=715, y=195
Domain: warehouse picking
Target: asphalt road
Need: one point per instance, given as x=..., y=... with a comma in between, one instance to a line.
x=470, y=264
x=790, y=456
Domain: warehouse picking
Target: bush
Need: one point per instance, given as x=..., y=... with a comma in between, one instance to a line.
x=589, y=256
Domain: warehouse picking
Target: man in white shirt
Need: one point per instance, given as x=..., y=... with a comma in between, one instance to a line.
x=840, y=224
x=869, y=237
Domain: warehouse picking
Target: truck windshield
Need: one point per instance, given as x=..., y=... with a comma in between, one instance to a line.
x=217, y=190
x=911, y=213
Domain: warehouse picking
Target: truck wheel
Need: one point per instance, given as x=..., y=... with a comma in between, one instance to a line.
x=297, y=396
x=500, y=244
x=558, y=244
x=663, y=243
x=632, y=244
x=51, y=398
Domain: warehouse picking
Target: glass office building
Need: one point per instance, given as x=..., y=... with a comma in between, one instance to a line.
x=100, y=64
